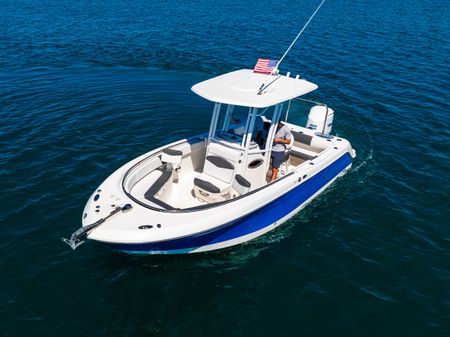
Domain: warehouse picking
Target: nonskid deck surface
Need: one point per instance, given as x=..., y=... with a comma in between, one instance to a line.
x=182, y=194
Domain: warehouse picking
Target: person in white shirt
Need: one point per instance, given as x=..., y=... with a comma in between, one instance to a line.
x=282, y=138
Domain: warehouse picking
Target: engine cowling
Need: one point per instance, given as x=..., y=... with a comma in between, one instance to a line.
x=320, y=118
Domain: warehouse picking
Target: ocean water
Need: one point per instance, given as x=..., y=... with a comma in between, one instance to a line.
x=85, y=86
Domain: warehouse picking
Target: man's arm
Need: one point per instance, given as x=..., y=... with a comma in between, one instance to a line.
x=287, y=135
x=282, y=141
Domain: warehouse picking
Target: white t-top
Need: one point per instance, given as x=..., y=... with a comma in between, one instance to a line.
x=241, y=87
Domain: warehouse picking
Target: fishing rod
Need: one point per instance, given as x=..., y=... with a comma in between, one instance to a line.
x=275, y=69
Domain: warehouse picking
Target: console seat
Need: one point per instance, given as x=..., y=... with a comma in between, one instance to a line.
x=215, y=182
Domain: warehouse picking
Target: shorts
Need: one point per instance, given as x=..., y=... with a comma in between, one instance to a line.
x=277, y=158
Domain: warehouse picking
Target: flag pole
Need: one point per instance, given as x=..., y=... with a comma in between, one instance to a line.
x=263, y=87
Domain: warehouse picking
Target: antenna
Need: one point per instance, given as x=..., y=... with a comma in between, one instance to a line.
x=263, y=87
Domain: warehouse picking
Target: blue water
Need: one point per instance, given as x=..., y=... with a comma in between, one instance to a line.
x=86, y=86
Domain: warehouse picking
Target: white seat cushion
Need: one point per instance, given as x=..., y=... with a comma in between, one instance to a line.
x=240, y=184
x=204, y=181
x=219, y=168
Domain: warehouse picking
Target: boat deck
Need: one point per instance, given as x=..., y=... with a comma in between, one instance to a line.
x=181, y=194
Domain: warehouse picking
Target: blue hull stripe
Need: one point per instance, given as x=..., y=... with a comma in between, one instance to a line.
x=255, y=221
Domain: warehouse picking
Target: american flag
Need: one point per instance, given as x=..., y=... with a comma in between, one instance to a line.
x=264, y=66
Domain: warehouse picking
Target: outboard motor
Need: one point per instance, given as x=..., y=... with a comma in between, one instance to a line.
x=320, y=118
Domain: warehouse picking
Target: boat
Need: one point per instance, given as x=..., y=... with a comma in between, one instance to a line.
x=219, y=189
x=213, y=190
